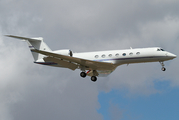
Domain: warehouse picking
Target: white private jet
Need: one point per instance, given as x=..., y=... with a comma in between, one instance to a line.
x=99, y=63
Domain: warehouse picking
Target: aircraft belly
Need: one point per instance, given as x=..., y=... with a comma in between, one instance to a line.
x=100, y=73
x=104, y=73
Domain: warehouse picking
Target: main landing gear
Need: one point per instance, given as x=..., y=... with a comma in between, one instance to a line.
x=163, y=68
x=93, y=78
x=83, y=74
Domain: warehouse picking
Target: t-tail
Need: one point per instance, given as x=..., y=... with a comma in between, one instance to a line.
x=34, y=43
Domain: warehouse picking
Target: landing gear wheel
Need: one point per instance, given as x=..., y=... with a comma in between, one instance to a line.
x=163, y=69
x=93, y=78
x=83, y=74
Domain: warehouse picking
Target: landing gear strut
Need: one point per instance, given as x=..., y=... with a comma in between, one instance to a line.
x=163, y=68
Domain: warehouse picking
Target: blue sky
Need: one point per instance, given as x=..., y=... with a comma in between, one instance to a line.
x=162, y=105
x=137, y=91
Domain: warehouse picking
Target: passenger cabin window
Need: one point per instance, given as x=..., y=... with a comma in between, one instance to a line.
x=96, y=56
x=103, y=56
x=131, y=53
x=110, y=55
x=138, y=53
x=117, y=55
x=124, y=54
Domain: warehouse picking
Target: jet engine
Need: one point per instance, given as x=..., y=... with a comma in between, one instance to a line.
x=64, y=52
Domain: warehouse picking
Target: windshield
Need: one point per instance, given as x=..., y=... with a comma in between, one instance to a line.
x=160, y=49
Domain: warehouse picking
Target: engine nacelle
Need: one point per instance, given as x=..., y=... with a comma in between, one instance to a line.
x=64, y=52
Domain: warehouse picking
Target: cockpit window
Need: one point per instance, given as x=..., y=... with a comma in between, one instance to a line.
x=160, y=50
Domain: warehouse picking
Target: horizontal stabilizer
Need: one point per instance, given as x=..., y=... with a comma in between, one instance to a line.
x=24, y=38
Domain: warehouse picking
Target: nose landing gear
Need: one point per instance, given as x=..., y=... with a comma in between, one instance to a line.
x=163, y=68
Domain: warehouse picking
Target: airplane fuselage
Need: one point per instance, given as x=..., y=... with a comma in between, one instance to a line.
x=120, y=57
x=128, y=56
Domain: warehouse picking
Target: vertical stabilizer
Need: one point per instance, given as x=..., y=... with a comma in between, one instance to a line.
x=39, y=44
x=36, y=43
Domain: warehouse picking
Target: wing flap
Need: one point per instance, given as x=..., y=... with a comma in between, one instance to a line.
x=63, y=63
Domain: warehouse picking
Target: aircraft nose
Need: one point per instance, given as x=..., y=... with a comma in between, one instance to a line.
x=172, y=56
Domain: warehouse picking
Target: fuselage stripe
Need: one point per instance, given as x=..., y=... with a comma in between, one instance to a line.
x=132, y=58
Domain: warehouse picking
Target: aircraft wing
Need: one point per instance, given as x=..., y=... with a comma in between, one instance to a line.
x=89, y=64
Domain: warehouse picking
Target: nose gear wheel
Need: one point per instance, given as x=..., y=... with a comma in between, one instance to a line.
x=163, y=68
